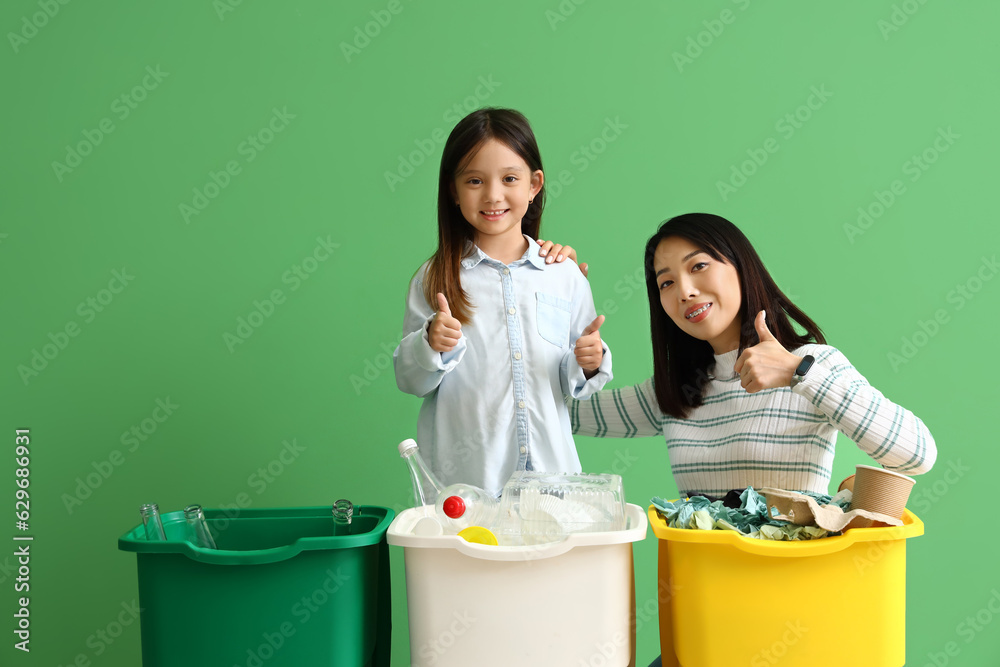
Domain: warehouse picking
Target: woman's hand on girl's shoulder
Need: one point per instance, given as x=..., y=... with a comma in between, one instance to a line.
x=554, y=252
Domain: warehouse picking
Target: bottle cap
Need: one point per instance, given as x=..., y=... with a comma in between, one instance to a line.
x=479, y=535
x=454, y=507
x=406, y=446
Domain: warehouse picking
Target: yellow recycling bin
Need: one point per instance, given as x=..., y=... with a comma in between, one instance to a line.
x=733, y=600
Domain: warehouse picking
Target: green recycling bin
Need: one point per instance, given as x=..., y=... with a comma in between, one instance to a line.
x=281, y=590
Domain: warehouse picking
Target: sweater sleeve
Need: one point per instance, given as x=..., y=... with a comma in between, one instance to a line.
x=628, y=412
x=889, y=433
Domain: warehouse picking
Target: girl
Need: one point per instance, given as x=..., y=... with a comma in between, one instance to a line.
x=741, y=397
x=494, y=337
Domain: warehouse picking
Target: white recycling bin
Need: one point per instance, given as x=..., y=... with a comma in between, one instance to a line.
x=569, y=602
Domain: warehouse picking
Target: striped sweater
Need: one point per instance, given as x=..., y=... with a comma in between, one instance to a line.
x=782, y=437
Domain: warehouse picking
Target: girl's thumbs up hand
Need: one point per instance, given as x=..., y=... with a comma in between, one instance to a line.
x=766, y=364
x=589, y=349
x=445, y=330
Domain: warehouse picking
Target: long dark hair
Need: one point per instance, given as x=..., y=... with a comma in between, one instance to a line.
x=510, y=128
x=680, y=361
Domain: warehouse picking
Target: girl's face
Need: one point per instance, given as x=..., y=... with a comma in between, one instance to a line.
x=700, y=294
x=493, y=190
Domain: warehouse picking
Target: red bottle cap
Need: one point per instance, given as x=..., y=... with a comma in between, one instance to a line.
x=454, y=507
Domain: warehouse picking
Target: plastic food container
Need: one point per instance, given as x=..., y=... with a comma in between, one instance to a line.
x=828, y=602
x=568, y=602
x=538, y=507
x=280, y=590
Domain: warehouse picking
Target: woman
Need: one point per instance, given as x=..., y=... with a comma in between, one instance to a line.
x=742, y=398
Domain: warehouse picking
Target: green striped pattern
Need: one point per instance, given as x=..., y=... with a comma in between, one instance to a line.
x=776, y=437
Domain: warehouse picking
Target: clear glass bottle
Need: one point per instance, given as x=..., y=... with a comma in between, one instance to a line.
x=426, y=487
x=152, y=522
x=343, y=513
x=198, y=532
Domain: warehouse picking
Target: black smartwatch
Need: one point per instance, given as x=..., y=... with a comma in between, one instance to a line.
x=803, y=368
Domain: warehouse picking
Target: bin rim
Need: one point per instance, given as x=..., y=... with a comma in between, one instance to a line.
x=399, y=535
x=912, y=527
x=135, y=540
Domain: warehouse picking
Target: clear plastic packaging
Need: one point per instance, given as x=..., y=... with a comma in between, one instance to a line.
x=540, y=507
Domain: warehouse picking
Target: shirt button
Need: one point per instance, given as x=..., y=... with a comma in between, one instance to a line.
x=512, y=310
x=524, y=449
x=520, y=404
x=506, y=272
x=517, y=355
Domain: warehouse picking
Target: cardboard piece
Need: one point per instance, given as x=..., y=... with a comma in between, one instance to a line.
x=805, y=511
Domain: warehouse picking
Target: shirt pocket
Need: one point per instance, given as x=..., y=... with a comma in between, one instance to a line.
x=553, y=318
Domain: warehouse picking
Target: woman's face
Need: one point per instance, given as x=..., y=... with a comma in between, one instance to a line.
x=700, y=294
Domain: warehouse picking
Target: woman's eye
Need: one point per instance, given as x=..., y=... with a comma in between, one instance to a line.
x=699, y=266
x=666, y=283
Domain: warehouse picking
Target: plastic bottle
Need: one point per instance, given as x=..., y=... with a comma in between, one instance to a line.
x=461, y=506
x=426, y=486
x=343, y=512
x=198, y=532
x=152, y=522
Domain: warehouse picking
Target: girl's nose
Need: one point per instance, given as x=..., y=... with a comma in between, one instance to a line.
x=494, y=193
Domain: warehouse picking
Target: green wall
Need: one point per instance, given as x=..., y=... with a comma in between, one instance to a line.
x=170, y=170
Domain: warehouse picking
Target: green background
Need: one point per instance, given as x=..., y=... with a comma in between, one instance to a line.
x=894, y=77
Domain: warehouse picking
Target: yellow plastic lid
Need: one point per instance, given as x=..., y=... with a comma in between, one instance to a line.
x=479, y=535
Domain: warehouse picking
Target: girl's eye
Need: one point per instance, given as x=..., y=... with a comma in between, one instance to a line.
x=474, y=181
x=699, y=266
x=509, y=179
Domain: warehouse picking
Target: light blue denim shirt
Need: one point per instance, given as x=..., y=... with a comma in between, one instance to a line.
x=495, y=403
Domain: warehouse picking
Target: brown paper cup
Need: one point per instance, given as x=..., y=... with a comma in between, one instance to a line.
x=879, y=490
x=847, y=484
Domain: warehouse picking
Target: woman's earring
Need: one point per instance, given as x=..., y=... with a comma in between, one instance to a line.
x=530, y=200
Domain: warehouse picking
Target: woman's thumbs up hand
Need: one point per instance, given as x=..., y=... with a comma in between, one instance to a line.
x=445, y=330
x=766, y=364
